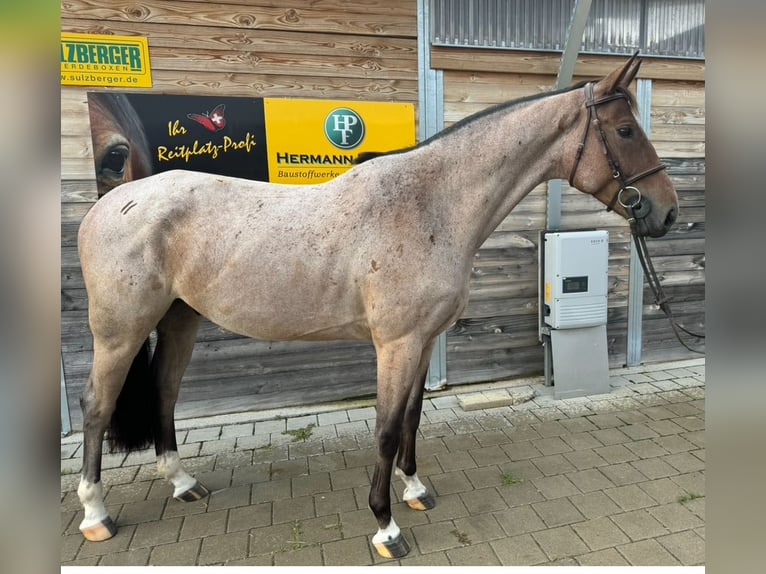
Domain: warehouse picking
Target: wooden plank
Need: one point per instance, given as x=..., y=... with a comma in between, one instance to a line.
x=339, y=21
x=587, y=65
x=260, y=41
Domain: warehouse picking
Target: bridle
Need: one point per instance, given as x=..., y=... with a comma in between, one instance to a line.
x=633, y=207
x=626, y=184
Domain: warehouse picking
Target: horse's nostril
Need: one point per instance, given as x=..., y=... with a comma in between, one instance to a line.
x=671, y=217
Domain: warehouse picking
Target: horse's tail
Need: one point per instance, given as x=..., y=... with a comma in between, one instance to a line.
x=135, y=416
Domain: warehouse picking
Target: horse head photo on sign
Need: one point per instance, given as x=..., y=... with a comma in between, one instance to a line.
x=381, y=253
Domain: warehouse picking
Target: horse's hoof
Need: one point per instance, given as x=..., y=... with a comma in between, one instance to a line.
x=395, y=548
x=423, y=502
x=104, y=530
x=196, y=492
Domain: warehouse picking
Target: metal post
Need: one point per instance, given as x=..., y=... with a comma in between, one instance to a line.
x=431, y=121
x=66, y=421
x=636, y=277
x=564, y=78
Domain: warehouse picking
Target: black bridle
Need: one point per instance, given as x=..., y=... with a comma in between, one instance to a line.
x=634, y=209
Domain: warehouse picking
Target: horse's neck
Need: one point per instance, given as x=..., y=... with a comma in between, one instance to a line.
x=493, y=162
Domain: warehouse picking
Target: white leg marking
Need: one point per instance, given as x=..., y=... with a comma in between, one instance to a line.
x=390, y=532
x=413, y=488
x=169, y=467
x=92, y=499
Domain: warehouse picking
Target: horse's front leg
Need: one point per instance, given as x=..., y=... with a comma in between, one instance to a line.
x=416, y=494
x=398, y=363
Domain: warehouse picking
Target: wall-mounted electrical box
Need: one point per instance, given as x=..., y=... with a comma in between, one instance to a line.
x=574, y=273
x=576, y=278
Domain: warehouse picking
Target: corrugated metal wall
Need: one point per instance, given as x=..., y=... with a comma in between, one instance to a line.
x=656, y=28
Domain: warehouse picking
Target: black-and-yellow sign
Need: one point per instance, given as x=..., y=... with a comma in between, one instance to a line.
x=102, y=60
x=266, y=139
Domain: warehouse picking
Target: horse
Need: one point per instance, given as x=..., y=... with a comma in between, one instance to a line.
x=120, y=146
x=382, y=253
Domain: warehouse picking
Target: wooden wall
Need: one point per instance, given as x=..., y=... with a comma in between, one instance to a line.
x=497, y=335
x=367, y=50
x=323, y=49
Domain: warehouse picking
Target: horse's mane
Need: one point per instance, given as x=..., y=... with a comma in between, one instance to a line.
x=368, y=155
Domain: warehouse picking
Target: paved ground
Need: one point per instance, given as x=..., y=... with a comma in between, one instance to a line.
x=613, y=479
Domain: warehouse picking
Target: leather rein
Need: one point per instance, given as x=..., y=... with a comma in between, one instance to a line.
x=632, y=205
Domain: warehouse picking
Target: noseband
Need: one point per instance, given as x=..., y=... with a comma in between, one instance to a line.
x=626, y=184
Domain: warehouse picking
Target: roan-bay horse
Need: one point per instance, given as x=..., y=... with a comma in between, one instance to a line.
x=381, y=253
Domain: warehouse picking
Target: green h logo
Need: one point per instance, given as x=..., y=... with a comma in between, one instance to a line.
x=344, y=128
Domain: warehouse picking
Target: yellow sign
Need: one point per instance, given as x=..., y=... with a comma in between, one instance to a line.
x=313, y=141
x=103, y=60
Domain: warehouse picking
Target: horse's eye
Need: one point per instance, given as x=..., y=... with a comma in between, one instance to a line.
x=625, y=131
x=114, y=160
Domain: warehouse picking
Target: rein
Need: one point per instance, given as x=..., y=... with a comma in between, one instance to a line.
x=631, y=207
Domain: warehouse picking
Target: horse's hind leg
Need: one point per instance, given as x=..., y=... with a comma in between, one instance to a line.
x=111, y=363
x=416, y=494
x=176, y=334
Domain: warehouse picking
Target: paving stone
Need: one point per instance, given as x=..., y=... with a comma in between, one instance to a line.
x=554, y=464
x=521, y=450
x=519, y=520
x=550, y=429
x=436, y=536
x=293, y=509
x=594, y=504
x=306, y=556
x=223, y=547
x=458, y=443
x=647, y=553
x=246, y=517
x=600, y=533
x=283, y=469
x=521, y=494
x=158, y=532
x=606, y=557
x=615, y=454
x=555, y=486
x=349, y=478
x=551, y=446
x=450, y=483
x=230, y=497
x=271, y=491
x=479, y=528
x=581, y=441
x=244, y=429
x=138, y=557
x=488, y=455
x=639, y=524
x=622, y=474
x=664, y=427
x=605, y=421
x=520, y=550
x=584, y=459
x=692, y=482
x=216, y=480
x=141, y=511
x=455, y=461
x=312, y=484
x=557, y=512
x=352, y=552
x=474, y=555
x=448, y=507
x=653, y=468
x=201, y=525
x=263, y=560
x=251, y=474
x=177, y=554
x=644, y=449
x=560, y=542
x=684, y=462
x=610, y=436
x=521, y=470
x=435, y=430
x=483, y=500
x=675, y=517
x=663, y=490
x=122, y=493
x=203, y=434
x=432, y=559
x=484, y=477
x=92, y=561
x=590, y=480
x=70, y=546
x=629, y=497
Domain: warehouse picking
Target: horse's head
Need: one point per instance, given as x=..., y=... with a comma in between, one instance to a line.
x=615, y=161
x=120, y=147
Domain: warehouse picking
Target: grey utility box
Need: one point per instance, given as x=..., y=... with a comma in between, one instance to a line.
x=574, y=288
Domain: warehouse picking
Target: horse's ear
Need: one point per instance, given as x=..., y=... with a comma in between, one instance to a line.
x=622, y=77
